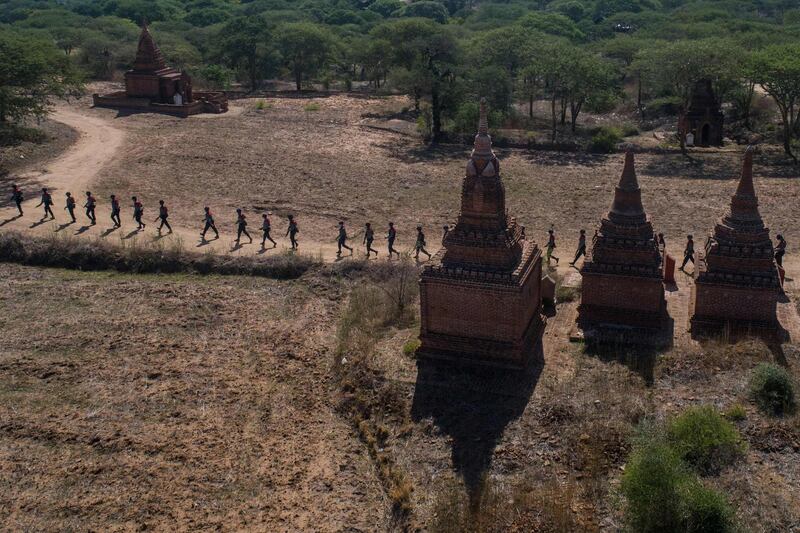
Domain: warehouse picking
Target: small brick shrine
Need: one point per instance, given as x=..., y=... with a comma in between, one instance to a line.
x=737, y=286
x=704, y=118
x=480, y=295
x=622, y=275
x=152, y=85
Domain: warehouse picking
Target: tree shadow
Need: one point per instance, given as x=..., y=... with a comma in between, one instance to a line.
x=473, y=405
x=561, y=159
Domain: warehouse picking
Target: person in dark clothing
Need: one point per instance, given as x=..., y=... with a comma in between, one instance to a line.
x=662, y=244
x=419, y=245
x=551, y=245
x=369, y=237
x=16, y=197
x=445, y=231
x=780, y=249
x=266, y=226
x=115, y=211
x=70, y=206
x=241, y=226
x=341, y=240
x=209, y=221
x=391, y=236
x=292, y=232
x=138, y=212
x=90, y=205
x=688, y=252
x=163, y=214
x=47, y=202
x=581, y=251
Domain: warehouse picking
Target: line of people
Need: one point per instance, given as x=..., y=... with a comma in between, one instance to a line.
x=46, y=202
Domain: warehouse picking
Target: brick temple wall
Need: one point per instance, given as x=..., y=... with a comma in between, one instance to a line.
x=735, y=304
x=626, y=300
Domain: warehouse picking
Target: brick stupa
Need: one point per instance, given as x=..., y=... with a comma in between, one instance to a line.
x=737, y=286
x=152, y=85
x=622, y=275
x=480, y=295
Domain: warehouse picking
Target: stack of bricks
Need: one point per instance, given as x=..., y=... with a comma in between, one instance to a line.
x=480, y=295
x=622, y=275
x=737, y=284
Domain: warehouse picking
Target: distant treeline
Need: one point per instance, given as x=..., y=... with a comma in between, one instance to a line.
x=577, y=55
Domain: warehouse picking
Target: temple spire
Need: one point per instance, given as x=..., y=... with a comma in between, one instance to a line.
x=746, y=187
x=483, y=141
x=148, y=55
x=483, y=121
x=744, y=203
x=628, y=195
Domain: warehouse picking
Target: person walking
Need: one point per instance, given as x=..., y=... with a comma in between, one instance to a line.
x=16, y=197
x=209, y=223
x=138, y=213
x=391, y=236
x=662, y=244
x=780, y=249
x=47, y=202
x=688, y=252
x=163, y=215
x=70, y=207
x=445, y=231
x=341, y=240
x=266, y=226
x=551, y=245
x=115, y=211
x=241, y=226
x=90, y=205
x=369, y=237
x=419, y=245
x=292, y=231
x=581, y=251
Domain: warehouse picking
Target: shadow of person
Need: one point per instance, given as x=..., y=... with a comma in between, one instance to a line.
x=82, y=229
x=109, y=231
x=236, y=246
x=39, y=223
x=12, y=219
x=131, y=234
x=203, y=242
x=473, y=406
x=64, y=226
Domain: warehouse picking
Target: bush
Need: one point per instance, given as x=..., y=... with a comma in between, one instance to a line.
x=605, y=140
x=12, y=135
x=736, y=412
x=410, y=348
x=706, y=510
x=704, y=439
x=772, y=389
x=313, y=106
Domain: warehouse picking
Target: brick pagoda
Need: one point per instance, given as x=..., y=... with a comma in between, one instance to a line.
x=623, y=287
x=480, y=295
x=704, y=118
x=737, y=286
x=152, y=85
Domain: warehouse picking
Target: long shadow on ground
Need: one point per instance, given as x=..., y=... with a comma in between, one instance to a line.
x=473, y=406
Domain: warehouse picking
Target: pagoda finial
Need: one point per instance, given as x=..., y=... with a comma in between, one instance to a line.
x=628, y=195
x=628, y=179
x=746, y=187
x=483, y=121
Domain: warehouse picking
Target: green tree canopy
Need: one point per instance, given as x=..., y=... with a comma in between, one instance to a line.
x=307, y=49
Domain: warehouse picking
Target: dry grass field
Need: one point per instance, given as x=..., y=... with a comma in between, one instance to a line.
x=135, y=402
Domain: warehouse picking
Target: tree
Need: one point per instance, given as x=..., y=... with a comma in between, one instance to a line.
x=777, y=70
x=244, y=44
x=306, y=48
x=591, y=78
x=426, y=9
x=32, y=73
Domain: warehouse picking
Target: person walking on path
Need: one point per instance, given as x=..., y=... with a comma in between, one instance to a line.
x=780, y=249
x=688, y=252
x=445, y=231
x=581, y=251
x=551, y=245
x=369, y=237
x=163, y=215
x=391, y=235
x=292, y=231
x=266, y=226
x=662, y=244
x=341, y=240
x=90, y=205
x=16, y=197
x=419, y=245
x=70, y=207
x=138, y=213
x=241, y=226
x=209, y=224
x=47, y=202
x=115, y=211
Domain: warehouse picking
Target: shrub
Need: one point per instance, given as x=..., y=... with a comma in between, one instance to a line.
x=704, y=439
x=410, y=348
x=736, y=412
x=706, y=510
x=629, y=130
x=12, y=135
x=652, y=485
x=605, y=140
x=313, y=106
x=772, y=389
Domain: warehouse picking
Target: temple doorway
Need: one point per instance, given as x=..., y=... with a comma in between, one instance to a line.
x=705, y=135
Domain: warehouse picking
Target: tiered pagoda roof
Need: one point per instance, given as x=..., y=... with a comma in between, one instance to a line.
x=148, y=56
x=625, y=242
x=740, y=251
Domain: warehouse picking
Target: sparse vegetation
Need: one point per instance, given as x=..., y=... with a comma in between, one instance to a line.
x=772, y=389
x=313, y=106
x=704, y=439
x=605, y=140
x=410, y=348
x=736, y=412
